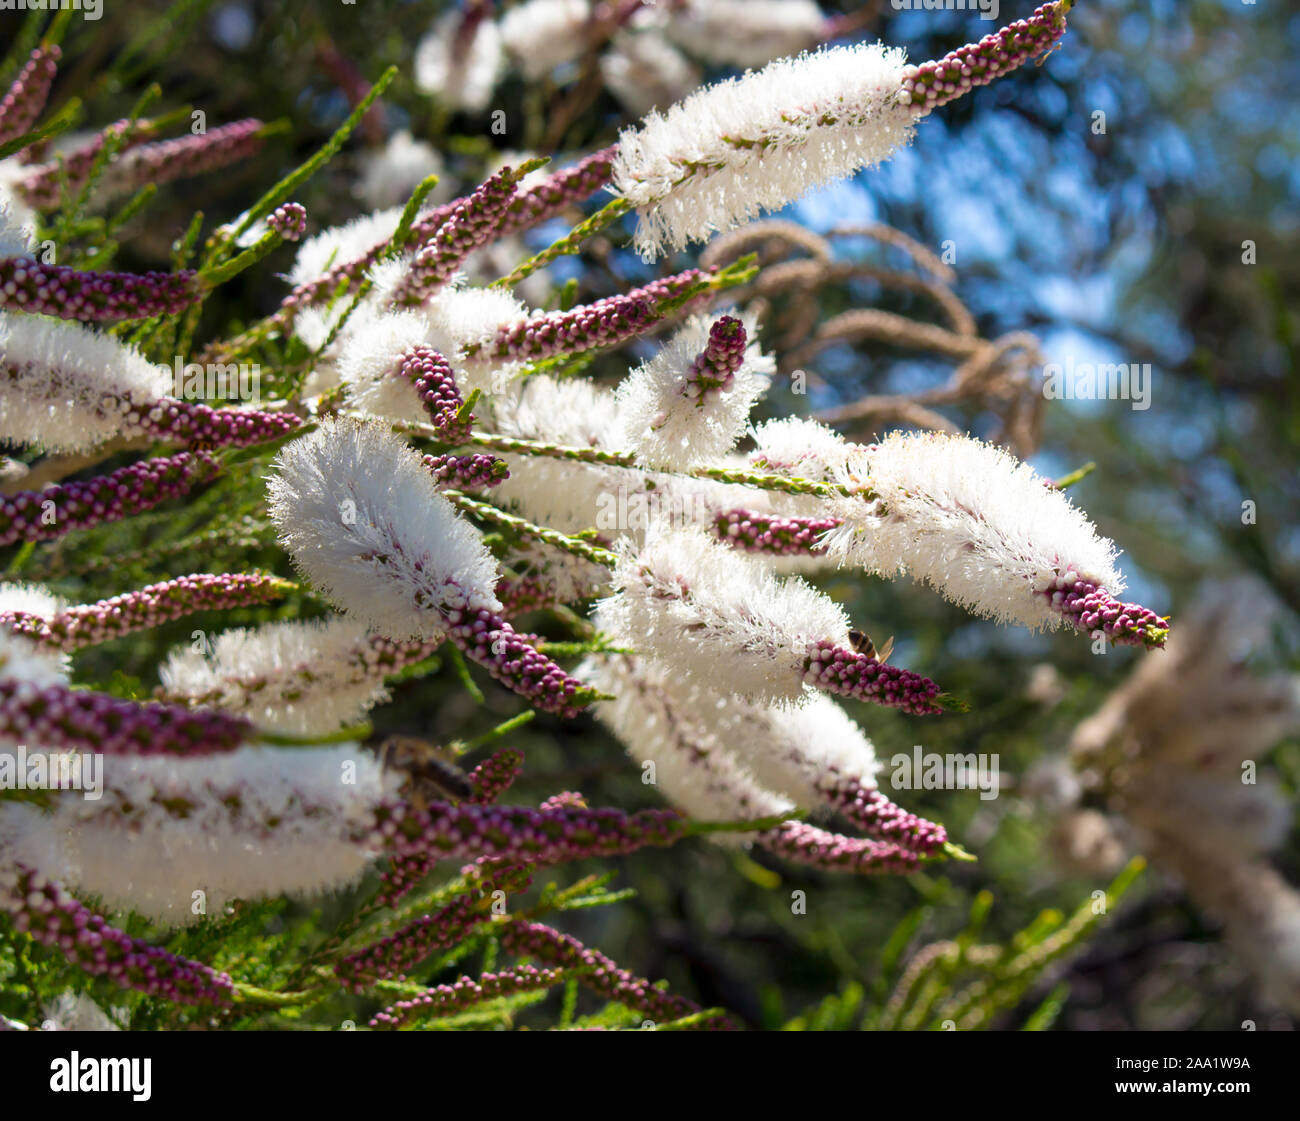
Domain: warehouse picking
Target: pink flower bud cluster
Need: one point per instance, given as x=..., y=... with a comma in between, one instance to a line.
x=714, y=369
x=43, y=515
x=977, y=64
x=465, y=992
x=1089, y=607
x=801, y=843
x=63, y=719
x=850, y=674
x=52, y=917
x=289, y=221
x=435, y=382
x=873, y=813
x=467, y=472
x=199, y=425
x=600, y=974
x=93, y=297
x=606, y=322
x=756, y=532
x=492, y=642
x=26, y=97
x=151, y=606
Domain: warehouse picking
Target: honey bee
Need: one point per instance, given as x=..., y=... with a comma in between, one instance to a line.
x=862, y=644
x=431, y=776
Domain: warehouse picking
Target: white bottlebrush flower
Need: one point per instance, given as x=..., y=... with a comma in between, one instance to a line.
x=369, y=362
x=719, y=617
x=970, y=520
x=308, y=678
x=745, y=33
x=459, y=60
x=798, y=448
x=656, y=720
x=65, y=387
x=76, y=1012
x=645, y=71
x=540, y=35
x=170, y=833
x=667, y=422
x=755, y=143
x=340, y=244
x=388, y=177
x=357, y=510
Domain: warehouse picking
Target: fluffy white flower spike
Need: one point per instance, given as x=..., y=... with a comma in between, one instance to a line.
x=248, y=824
x=358, y=511
x=543, y=34
x=690, y=403
x=985, y=530
x=747, y=33
x=67, y=387
x=460, y=59
x=745, y=145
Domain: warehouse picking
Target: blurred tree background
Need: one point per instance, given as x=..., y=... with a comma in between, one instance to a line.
x=1107, y=200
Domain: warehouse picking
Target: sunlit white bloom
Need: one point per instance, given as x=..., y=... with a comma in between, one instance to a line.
x=17, y=220
x=798, y=448
x=645, y=71
x=358, y=512
x=388, y=177
x=655, y=718
x=308, y=678
x=745, y=145
x=33, y=599
x=340, y=244
x=66, y=387
x=970, y=520
x=369, y=362
x=745, y=33
x=665, y=425
x=719, y=617
x=76, y=1012
x=177, y=839
x=459, y=60
x=543, y=34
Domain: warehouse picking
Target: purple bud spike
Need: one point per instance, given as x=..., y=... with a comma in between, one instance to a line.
x=977, y=64
x=600, y=974
x=863, y=678
x=801, y=843
x=474, y=222
x=43, y=910
x=755, y=532
x=873, y=813
x=93, y=297
x=467, y=472
x=494, y=776
x=465, y=992
x=43, y=515
x=714, y=369
x=26, y=97
x=64, y=719
x=435, y=382
x=606, y=322
x=492, y=642
x=1087, y=606
x=151, y=606
x=199, y=425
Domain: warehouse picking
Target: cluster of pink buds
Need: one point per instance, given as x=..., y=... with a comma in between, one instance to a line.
x=977, y=64
x=714, y=369
x=435, y=382
x=873, y=813
x=151, y=606
x=42, y=515
x=466, y=831
x=93, y=297
x=26, y=97
x=289, y=221
x=1089, y=607
x=64, y=719
x=864, y=678
x=42, y=909
x=558, y=191
x=43, y=186
x=606, y=322
x=801, y=843
x=467, y=472
x=198, y=425
x=465, y=992
x=473, y=223
x=756, y=532
x=492, y=642
x=600, y=974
